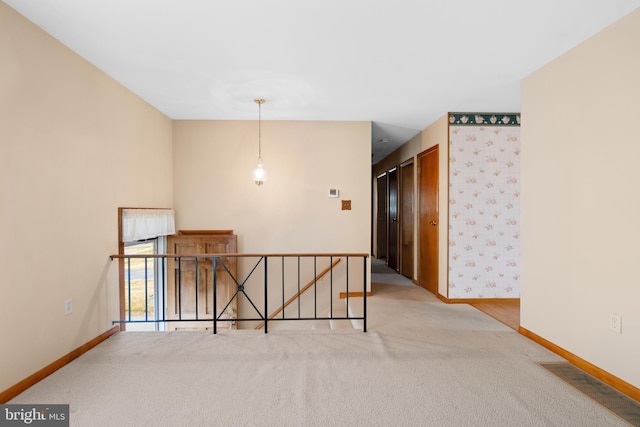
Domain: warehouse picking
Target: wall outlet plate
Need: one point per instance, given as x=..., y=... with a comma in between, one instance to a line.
x=334, y=192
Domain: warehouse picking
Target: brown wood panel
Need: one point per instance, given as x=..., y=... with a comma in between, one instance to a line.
x=205, y=232
x=343, y=295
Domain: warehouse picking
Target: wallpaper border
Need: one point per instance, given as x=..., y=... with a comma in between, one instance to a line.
x=485, y=119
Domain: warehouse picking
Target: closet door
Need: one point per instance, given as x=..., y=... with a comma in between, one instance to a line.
x=381, y=228
x=392, y=220
x=428, y=219
x=190, y=283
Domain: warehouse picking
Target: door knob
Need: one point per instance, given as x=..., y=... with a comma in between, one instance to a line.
x=432, y=222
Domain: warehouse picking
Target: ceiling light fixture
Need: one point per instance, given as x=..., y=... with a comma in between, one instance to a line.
x=259, y=174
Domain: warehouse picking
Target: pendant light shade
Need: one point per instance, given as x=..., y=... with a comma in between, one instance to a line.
x=259, y=174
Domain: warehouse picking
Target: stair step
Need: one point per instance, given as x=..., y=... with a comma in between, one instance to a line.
x=342, y=324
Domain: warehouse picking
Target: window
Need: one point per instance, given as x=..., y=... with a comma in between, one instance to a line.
x=143, y=284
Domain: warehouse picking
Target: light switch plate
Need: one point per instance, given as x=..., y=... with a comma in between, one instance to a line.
x=68, y=306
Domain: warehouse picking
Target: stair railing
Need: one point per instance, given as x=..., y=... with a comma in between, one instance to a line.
x=253, y=287
x=296, y=297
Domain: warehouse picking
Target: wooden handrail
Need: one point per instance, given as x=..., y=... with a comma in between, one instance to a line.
x=239, y=255
x=301, y=291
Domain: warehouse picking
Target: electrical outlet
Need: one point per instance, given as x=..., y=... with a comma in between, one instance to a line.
x=68, y=307
x=615, y=322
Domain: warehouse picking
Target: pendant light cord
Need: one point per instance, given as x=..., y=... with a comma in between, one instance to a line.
x=260, y=131
x=259, y=101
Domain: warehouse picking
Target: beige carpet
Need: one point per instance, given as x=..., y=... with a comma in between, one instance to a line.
x=422, y=363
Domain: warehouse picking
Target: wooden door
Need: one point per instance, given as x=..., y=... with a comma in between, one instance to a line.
x=381, y=241
x=428, y=219
x=190, y=284
x=406, y=219
x=392, y=219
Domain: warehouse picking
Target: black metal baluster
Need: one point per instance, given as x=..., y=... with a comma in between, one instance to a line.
x=163, y=264
x=298, y=287
x=266, y=311
x=214, y=262
x=196, y=265
x=331, y=287
x=315, y=287
x=179, y=288
x=129, y=285
x=364, y=314
x=347, y=283
x=283, y=308
x=146, y=291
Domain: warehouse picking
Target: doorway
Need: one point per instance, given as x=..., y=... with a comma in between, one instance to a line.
x=381, y=227
x=428, y=219
x=406, y=219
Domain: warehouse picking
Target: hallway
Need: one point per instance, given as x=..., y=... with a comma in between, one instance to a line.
x=507, y=311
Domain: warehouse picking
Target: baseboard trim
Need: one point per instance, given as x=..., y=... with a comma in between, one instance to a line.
x=473, y=300
x=31, y=380
x=604, y=376
x=343, y=295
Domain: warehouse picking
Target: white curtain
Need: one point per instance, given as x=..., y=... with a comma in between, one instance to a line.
x=140, y=224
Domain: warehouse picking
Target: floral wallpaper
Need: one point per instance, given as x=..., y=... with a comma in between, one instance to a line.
x=484, y=205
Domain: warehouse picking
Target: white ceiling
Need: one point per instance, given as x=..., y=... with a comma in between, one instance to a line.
x=401, y=64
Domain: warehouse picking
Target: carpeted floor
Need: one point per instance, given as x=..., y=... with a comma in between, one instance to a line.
x=422, y=363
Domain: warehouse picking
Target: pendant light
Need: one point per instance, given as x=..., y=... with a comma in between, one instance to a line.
x=259, y=174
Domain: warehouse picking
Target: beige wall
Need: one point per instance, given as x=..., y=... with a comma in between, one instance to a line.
x=291, y=212
x=580, y=204
x=74, y=145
